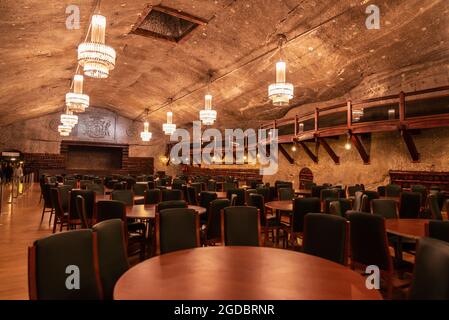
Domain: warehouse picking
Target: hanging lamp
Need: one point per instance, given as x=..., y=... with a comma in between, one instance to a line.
x=281, y=92
x=208, y=115
x=146, y=135
x=169, y=128
x=76, y=101
x=96, y=58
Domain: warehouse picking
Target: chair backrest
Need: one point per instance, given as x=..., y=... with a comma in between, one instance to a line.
x=177, y=229
x=192, y=196
x=169, y=195
x=316, y=191
x=240, y=226
x=381, y=191
x=385, y=208
x=434, y=207
x=71, y=182
x=112, y=253
x=125, y=196
x=84, y=183
x=351, y=190
x=286, y=194
x=368, y=237
x=140, y=188
x=62, y=262
x=214, y=219
x=240, y=196
x=110, y=209
x=257, y=200
x=211, y=185
x=334, y=208
x=326, y=236
x=46, y=195
x=329, y=194
x=198, y=187
x=301, y=207
x=228, y=186
x=171, y=205
x=57, y=202
x=152, y=196
x=89, y=204
x=410, y=205
x=265, y=191
x=422, y=190
x=366, y=204
x=393, y=190
x=431, y=273
x=206, y=198
x=81, y=208
x=233, y=200
x=327, y=203
x=438, y=230
x=358, y=201
x=95, y=187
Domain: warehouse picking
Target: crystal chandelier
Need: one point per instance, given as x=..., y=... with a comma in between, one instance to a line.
x=69, y=119
x=95, y=57
x=169, y=128
x=64, y=130
x=76, y=101
x=208, y=116
x=146, y=135
x=280, y=92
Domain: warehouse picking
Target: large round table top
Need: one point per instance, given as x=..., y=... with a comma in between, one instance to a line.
x=408, y=228
x=148, y=211
x=240, y=273
x=284, y=205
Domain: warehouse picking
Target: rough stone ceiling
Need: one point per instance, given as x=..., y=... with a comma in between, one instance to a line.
x=38, y=54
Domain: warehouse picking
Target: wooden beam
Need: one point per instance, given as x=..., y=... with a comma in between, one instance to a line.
x=401, y=106
x=309, y=152
x=349, y=114
x=359, y=146
x=286, y=154
x=330, y=151
x=410, y=143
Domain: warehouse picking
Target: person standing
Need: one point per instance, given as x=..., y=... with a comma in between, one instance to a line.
x=8, y=173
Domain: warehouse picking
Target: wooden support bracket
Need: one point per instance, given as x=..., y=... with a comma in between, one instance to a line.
x=360, y=148
x=309, y=152
x=411, y=146
x=329, y=150
x=286, y=154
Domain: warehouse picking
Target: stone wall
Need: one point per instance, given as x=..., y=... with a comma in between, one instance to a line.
x=387, y=152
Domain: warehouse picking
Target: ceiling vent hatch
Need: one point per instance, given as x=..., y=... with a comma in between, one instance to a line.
x=166, y=23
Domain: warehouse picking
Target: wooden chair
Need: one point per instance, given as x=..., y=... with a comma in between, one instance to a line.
x=240, y=226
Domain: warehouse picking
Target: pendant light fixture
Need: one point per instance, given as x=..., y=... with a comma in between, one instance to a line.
x=69, y=119
x=281, y=92
x=146, y=135
x=94, y=56
x=169, y=128
x=348, y=144
x=208, y=115
x=64, y=130
x=76, y=101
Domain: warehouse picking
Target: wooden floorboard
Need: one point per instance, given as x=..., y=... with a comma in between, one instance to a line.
x=19, y=227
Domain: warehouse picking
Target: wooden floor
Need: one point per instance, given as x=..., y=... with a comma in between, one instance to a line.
x=19, y=227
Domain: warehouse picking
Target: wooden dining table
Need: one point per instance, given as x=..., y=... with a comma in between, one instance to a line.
x=303, y=192
x=282, y=205
x=148, y=211
x=407, y=228
x=241, y=273
x=102, y=197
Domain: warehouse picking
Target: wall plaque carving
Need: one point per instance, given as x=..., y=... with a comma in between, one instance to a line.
x=96, y=125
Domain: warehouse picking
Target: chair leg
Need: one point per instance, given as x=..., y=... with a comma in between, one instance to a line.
x=55, y=222
x=43, y=212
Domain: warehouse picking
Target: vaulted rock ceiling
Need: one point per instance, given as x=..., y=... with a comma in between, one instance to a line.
x=330, y=52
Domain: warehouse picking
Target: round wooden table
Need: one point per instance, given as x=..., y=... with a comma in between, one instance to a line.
x=221, y=194
x=407, y=228
x=148, y=211
x=282, y=205
x=303, y=192
x=240, y=273
x=102, y=197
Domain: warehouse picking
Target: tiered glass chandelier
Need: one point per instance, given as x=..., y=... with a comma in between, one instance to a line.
x=169, y=128
x=69, y=119
x=76, y=101
x=280, y=92
x=146, y=135
x=64, y=131
x=357, y=114
x=95, y=57
x=208, y=116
